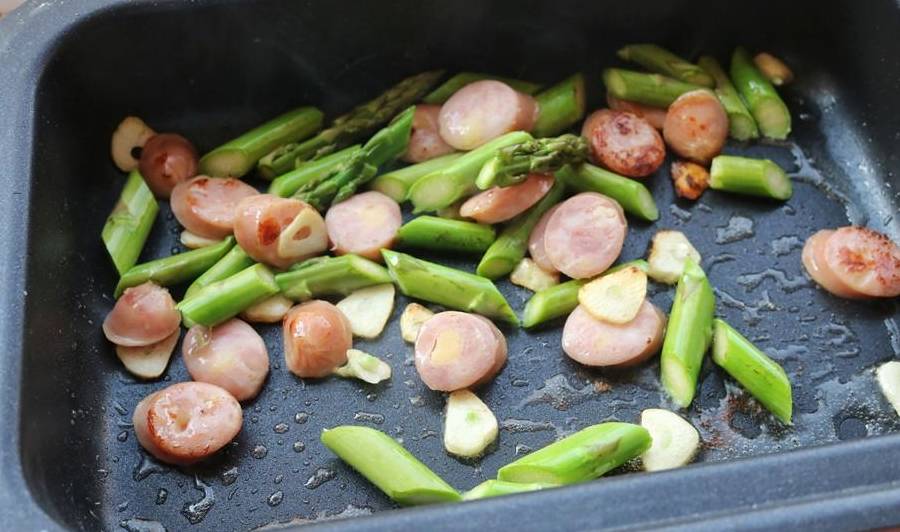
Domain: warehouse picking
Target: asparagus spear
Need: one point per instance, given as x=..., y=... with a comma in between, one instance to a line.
x=450, y=287
x=175, y=269
x=311, y=171
x=757, y=177
x=561, y=106
x=512, y=164
x=688, y=334
x=496, y=488
x=756, y=372
x=771, y=114
x=330, y=276
x=632, y=195
x=585, y=455
x=225, y=299
x=657, y=59
x=741, y=124
x=233, y=262
x=509, y=248
x=129, y=223
x=357, y=124
x=443, y=187
x=446, y=90
x=389, y=466
x=238, y=156
x=441, y=234
x=562, y=299
x=650, y=89
x=396, y=184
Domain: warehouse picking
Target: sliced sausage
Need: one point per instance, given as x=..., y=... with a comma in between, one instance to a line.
x=813, y=258
x=655, y=116
x=585, y=234
x=624, y=142
x=864, y=260
x=166, y=160
x=144, y=315
x=696, y=126
x=592, y=342
x=500, y=204
x=484, y=110
x=425, y=141
x=456, y=350
x=187, y=422
x=231, y=355
x=536, y=242
x=363, y=224
x=316, y=339
x=205, y=205
x=279, y=231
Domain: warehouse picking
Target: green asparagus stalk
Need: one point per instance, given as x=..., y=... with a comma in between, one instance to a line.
x=238, y=156
x=657, y=59
x=741, y=124
x=353, y=126
x=756, y=372
x=688, y=334
x=389, y=466
x=234, y=261
x=442, y=188
x=632, y=195
x=446, y=90
x=562, y=299
x=650, y=89
x=450, y=287
x=512, y=164
x=496, y=488
x=225, y=299
x=509, y=248
x=129, y=223
x=390, y=142
x=311, y=171
x=756, y=177
x=585, y=455
x=175, y=269
x=396, y=184
x=561, y=106
x=441, y=234
x=322, y=276
x=771, y=114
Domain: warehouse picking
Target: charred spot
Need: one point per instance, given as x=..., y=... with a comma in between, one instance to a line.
x=201, y=182
x=268, y=231
x=853, y=260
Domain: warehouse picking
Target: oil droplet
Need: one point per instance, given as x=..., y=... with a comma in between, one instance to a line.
x=371, y=397
x=146, y=467
x=788, y=284
x=299, y=446
x=229, y=477
x=301, y=417
x=368, y=417
x=123, y=436
x=281, y=428
x=558, y=393
x=278, y=478
x=102, y=473
x=122, y=506
x=521, y=449
x=417, y=401
x=196, y=511
x=784, y=245
x=321, y=476
x=275, y=498
x=259, y=452
x=525, y=425
x=679, y=213
x=162, y=496
x=142, y=525
x=738, y=229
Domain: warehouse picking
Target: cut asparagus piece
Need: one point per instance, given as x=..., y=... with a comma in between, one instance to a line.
x=271, y=310
x=616, y=297
x=368, y=309
x=365, y=367
x=442, y=188
x=233, y=262
x=754, y=370
x=175, y=269
x=633, y=196
x=148, y=361
x=675, y=441
x=323, y=276
x=412, y=319
x=768, y=109
x=756, y=177
x=470, y=426
x=560, y=106
x=529, y=275
x=741, y=124
x=510, y=247
x=311, y=171
x=512, y=164
x=396, y=183
x=446, y=286
x=688, y=334
x=446, y=90
x=238, y=156
x=225, y=299
x=389, y=466
x=669, y=250
x=496, y=488
x=649, y=89
x=773, y=68
x=888, y=375
x=657, y=59
x=585, y=455
x=441, y=234
x=129, y=223
x=192, y=241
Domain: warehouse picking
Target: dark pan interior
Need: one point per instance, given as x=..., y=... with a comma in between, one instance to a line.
x=209, y=70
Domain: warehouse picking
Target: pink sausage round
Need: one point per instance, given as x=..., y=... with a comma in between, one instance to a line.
x=655, y=116
x=166, y=160
x=187, y=422
x=363, y=224
x=597, y=343
x=456, y=350
x=500, y=204
x=144, y=315
x=813, y=258
x=585, y=234
x=624, y=142
x=205, y=205
x=865, y=261
x=231, y=355
x=425, y=141
x=259, y=221
x=484, y=110
x=536, y=242
x=317, y=336
x=696, y=126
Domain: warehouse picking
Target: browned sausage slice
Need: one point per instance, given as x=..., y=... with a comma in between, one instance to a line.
x=585, y=235
x=205, y=205
x=231, y=355
x=144, y=315
x=655, y=116
x=425, y=141
x=316, y=339
x=166, y=160
x=813, y=258
x=624, y=142
x=864, y=260
x=696, y=126
x=500, y=204
x=279, y=231
x=456, y=350
x=597, y=343
x=363, y=224
x=484, y=110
